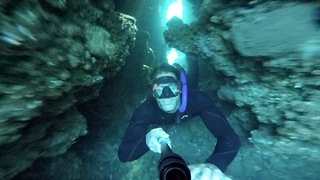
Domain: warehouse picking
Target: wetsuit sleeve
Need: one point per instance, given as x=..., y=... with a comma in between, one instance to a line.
x=228, y=143
x=133, y=144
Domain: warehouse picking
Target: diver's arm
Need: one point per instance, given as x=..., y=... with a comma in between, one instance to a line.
x=228, y=143
x=133, y=144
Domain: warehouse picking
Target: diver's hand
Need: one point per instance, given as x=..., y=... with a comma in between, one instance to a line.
x=153, y=139
x=206, y=171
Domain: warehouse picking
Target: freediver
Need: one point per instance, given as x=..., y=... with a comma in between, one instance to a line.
x=171, y=101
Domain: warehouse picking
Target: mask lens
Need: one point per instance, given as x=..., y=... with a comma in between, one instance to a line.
x=174, y=88
x=160, y=91
x=157, y=90
x=165, y=87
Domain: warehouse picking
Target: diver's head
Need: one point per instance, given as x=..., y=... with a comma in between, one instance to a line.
x=166, y=87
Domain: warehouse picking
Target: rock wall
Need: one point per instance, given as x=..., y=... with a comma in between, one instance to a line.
x=269, y=59
x=53, y=55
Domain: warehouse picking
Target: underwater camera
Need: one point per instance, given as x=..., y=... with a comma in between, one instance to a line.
x=171, y=166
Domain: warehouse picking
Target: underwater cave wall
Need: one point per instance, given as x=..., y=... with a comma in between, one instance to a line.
x=268, y=54
x=53, y=55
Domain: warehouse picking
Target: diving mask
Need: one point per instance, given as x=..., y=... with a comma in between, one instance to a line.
x=166, y=87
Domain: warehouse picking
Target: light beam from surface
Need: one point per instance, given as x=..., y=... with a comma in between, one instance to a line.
x=172, y=56
x=174, y=9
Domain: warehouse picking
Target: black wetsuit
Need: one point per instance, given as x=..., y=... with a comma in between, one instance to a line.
x=134, y=145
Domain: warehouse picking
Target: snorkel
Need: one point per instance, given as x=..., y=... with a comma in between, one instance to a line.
x=184, y=92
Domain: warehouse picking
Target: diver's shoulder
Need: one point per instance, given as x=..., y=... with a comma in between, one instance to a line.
x=197, y=92
x=147, y=102
x=143, y=110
